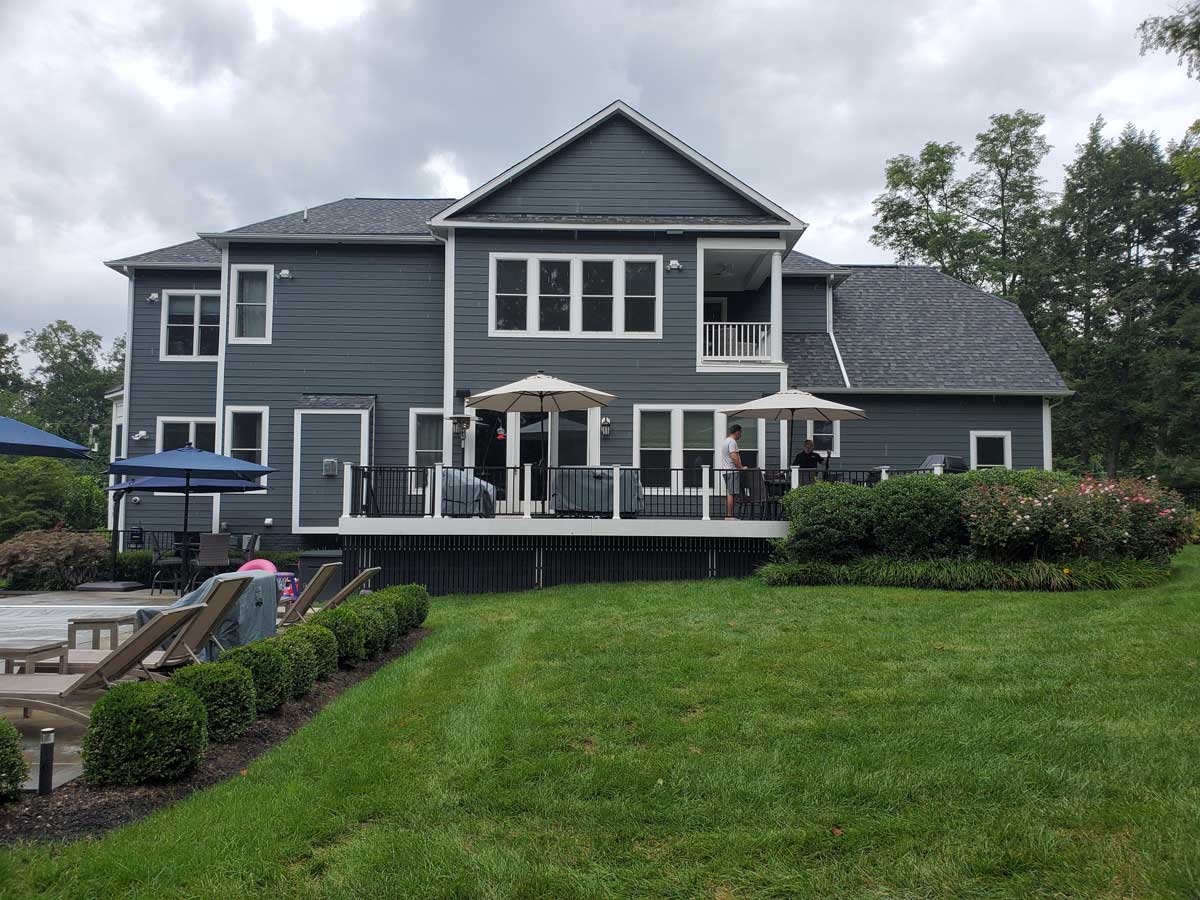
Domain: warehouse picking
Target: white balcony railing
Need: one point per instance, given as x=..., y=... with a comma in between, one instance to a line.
x=738, y=341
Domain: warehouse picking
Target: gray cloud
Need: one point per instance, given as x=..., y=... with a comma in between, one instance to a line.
x=130, y=125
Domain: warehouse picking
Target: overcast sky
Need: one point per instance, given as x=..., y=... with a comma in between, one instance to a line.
x=129, y=126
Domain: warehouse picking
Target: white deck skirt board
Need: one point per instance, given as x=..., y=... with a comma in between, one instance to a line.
x=516, y=525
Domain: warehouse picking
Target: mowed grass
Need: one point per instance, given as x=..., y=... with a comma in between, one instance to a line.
x=719, y=740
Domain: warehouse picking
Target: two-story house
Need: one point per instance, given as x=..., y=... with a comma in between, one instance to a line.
x=338, y=344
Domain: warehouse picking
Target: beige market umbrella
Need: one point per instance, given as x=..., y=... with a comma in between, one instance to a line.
x=793, y=404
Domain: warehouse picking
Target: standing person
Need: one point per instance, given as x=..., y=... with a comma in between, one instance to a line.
x=808, y=458
x=731, y=464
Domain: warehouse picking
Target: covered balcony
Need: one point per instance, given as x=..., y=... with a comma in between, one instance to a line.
x=741, y=302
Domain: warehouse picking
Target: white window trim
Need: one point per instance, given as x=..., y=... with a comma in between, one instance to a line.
x=576, y=297
x=158, y=439
x=836, y=451
x=413, y=412
x=165, y=303
x=720, y=423
x=364, y=453
x=234, y=270
x=265, y=411
x=1007, y=435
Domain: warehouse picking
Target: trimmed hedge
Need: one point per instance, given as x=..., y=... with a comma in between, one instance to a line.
x=386, y=609
x=918, y=516
x=323, y=643
x=411, y=602
x=375, y=628
x=970, y=574
x=348, y=628
x=829, y=521
x=13, y=768
x=135, y=565
x=227, y=691
x=144, y=732
x=271, y=669
x=303, y=664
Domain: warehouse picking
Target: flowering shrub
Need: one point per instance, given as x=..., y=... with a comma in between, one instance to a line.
x=1092, y=519
x=52, y=560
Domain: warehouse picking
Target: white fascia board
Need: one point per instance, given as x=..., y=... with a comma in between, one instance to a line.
x=618, y=106
x=126, y=269
x=984, y=392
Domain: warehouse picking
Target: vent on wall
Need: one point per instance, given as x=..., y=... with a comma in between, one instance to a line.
x=329, y=467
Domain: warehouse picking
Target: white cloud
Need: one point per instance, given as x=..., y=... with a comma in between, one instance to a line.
x=448, y=179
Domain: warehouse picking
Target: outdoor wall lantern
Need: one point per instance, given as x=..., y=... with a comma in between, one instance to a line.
x=285, y=274
x=605, y=426
x=674, y=266
x=152, y=298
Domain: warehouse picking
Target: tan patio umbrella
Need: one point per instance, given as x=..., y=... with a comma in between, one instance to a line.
x=791, y=405
x=539, y=393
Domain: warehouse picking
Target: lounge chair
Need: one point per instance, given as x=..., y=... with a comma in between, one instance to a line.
x=299, y=608
x=52, y=693
x=188, y=642
x=340, y=597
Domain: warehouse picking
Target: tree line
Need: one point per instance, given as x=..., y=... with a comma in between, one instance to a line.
x=1106, y=270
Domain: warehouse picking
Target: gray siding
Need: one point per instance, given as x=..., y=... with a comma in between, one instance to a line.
x=351, y=320
x=165, y=388
x=616, y=169
x=325, y=436
x=637, y=371
x=902, y=430
x=804, y=304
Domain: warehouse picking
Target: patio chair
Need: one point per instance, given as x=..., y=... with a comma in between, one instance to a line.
x=755, y=500
x=299, y=608
x=213, y=555
x=167, y=567
x=340, y=597
x=52, y=693
x=188, y=642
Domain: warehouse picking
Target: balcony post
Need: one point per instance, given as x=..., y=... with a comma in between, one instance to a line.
x=527, y=490
x=706, y=492
x=937, y=468
x=883, y=473
x=347, y=487
x=795, y=477
x=777, y=306
x=616, y=512
x=437, y=491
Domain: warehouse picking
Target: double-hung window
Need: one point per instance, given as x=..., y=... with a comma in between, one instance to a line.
x=251, y=299
x=425, y=439
x=687, y=438
x=191, y=325
x=175, y=432
x=697, y=445
x=655, y=448
x=826, y=437
x=246, y=434
x=575, y=295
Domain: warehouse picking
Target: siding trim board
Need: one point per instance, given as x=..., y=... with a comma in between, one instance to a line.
x=364, y=449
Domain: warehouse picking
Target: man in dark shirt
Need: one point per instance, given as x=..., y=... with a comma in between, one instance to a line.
x=808, y=458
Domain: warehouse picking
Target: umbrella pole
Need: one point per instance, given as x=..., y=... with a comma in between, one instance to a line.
x=545, y=453
x=116, y=533
x=187, y=496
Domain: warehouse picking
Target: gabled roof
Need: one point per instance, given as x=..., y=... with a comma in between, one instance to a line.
x=352, y=217
x=796, y=263
x=196, y=254
x=913, y=329
x=454, y=214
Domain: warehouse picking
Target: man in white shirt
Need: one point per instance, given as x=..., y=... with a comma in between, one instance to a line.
x=730, y=463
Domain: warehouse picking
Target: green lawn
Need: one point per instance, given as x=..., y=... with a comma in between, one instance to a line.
x=718, y=739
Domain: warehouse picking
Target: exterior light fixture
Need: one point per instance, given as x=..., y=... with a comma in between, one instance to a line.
x=152, y=298
x=284, y=273
x=605, y=426
x=674, y=266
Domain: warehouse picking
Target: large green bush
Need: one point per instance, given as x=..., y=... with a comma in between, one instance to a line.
x=348, y=628
x=135, y=565
x=323, y=642
x=227, y=691
x=303, y=664
x=271, y=670
x=52, y=560
x=13, y=768
x=144, y=732
x=386, y=609
x=375, y=628
x=44, y=493
x=829, y=521
x=410, y=601
x=919, y=516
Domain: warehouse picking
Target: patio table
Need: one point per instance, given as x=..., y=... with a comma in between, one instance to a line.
x=26, y=656
x=96, y=625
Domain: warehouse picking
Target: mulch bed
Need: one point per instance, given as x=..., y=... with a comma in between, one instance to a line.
x=77, y=809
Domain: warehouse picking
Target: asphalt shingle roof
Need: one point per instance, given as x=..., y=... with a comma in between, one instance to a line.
x=197, y=252
x=802, y=264
x=354, y=215
x=604, y=219
x=913, y=328
x=811, y=360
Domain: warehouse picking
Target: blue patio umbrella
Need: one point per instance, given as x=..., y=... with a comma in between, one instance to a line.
x=188, y=464
x=162, y=484
x=20, y=439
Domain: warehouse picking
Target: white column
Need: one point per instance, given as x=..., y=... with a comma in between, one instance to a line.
x=527, y=490
x=883, y=473
x=616, y=510
x=777, y=306
x=347, y=477
x=437, y=491
x=937, y=468
x=795, y=477
x=706, y=491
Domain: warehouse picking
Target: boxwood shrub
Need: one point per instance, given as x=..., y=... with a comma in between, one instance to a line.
x=375, y=628
x=144, y=732
x=13, y=768
x=384, y=608
x=227, y=691
x=303, y=664
x=323, y=643
x=830, y=521
x=411, y=602
x=919, y=516
x=348, y=628
x=271, y=670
